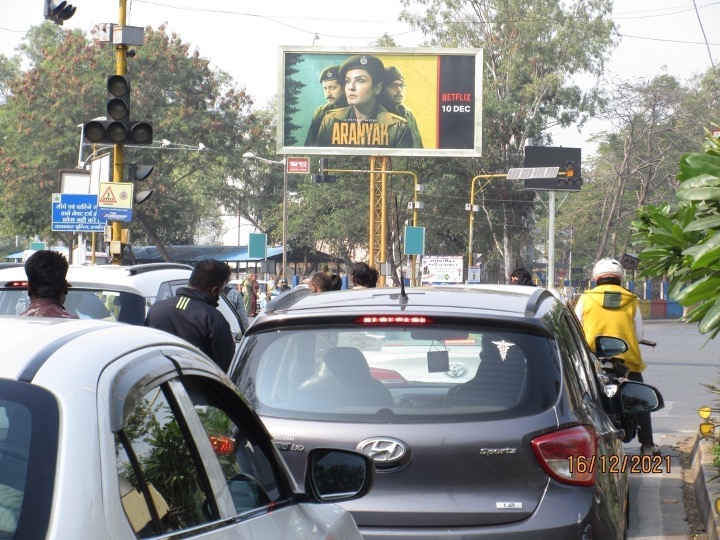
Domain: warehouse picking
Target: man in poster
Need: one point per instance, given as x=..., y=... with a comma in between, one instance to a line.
x=364, y=123
x=334, y=95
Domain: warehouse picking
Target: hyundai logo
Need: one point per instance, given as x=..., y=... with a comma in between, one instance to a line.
x=383, y=449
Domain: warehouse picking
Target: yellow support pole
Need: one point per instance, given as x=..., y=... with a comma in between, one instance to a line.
x=118, y=150
x=488, y=178
x=377, y=242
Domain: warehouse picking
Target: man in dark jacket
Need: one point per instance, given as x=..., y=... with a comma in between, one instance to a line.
x=193, y=315
x=46, y=271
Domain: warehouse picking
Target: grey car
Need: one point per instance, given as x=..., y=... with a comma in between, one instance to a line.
x=481, y=407
x=116, y=431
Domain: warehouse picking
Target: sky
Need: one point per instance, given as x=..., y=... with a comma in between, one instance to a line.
x=242, y=38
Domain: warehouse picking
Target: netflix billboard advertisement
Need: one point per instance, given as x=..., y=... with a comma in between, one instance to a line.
x=424, y=102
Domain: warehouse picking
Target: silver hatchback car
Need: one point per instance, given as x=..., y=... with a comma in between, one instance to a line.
x=123, y=432
x=482, y=409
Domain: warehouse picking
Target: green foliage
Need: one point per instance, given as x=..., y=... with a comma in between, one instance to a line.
x=683, y=241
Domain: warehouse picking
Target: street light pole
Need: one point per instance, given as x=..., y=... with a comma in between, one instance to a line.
x=250, y=155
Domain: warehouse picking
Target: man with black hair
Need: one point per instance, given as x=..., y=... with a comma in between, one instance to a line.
x=521, y=276
x=193, y=315
x=46, y=271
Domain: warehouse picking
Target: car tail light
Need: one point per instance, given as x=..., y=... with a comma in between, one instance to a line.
x=16, y=284
x=389, y=320
x=568, y=455
x=388, y=376
x=223, y=445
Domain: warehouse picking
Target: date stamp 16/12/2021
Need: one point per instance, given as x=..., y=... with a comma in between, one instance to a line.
x=614, y=463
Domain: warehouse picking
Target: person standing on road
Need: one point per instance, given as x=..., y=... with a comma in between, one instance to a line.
x=46, y=272
x=320, y=282
x=521, y=276
x=363, y=276
x=250, y=295
x=611, y=310
x=235, y=297
x=193, y=315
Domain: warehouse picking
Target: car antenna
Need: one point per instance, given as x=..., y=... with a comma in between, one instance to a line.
x=403, y=294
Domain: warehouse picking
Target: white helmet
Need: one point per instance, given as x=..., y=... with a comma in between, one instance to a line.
x=607, y=268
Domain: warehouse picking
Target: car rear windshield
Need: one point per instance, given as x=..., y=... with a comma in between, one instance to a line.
x=405, y=374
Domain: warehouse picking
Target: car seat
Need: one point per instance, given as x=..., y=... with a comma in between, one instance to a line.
x=499, y=380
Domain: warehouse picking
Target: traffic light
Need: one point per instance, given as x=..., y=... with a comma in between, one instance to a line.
x=323, y=177
x=58, y=13
x=139, y=173
x=565, y=160
x=117, y=128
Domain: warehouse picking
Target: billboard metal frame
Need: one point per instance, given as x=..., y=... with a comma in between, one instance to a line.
x=426, y=92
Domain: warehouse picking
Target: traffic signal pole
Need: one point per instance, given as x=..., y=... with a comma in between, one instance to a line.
x=118, y=149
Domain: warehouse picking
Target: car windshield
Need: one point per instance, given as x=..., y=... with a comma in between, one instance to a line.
x=407, y=374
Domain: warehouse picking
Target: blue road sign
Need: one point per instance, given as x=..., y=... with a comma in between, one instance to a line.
x=76, y=213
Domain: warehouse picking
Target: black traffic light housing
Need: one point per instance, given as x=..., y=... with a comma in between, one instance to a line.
x=117, y=128
x=58, y=13
x=323, y=177
x=566, y=159
x=139, y=173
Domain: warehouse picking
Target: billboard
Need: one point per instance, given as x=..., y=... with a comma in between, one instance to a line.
x=424, y=102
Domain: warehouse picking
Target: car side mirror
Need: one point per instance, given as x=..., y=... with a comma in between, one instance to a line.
x=636, y=397
x=335, y=475
x=606, y=346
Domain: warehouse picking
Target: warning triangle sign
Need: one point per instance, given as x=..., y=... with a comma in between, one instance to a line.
x=108, y=197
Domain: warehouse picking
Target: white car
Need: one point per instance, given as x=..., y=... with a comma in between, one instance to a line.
x=110, y=292
x=123, y=432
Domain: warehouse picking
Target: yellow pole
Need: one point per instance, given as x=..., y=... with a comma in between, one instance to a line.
x=488, y=178
x=118, y=151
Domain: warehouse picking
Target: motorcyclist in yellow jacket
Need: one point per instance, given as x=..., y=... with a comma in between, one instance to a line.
x=609, y=309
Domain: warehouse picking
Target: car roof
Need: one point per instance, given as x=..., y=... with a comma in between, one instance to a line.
x=143, y=279
x=525, y=304
x=29, y=343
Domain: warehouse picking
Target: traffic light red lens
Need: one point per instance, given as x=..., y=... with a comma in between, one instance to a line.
x=141, y=133
x=118, y=85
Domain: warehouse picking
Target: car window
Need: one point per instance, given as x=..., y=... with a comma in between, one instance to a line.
x=413, y=375
x=29, y=420
x=573, y=352
x=106, y=304
x=158, y=460
x=155, y=462
x=245, y=462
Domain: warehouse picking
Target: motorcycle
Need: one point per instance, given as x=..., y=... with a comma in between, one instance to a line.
x=613, y=372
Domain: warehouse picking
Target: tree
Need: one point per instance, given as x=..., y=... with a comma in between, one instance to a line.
x=683, y=241
x=171, y=86
x=533, y=56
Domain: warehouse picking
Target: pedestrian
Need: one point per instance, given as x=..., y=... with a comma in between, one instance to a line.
x=609, y=309
x=193, y=315
x=235, y=297
x=46, y=272
x=319, y=282
x=334, y=96
x=250, y=294
x=363, y=276
x=393, y=95
x=364, y=122
x=283, y=286
x=521, y=276
x=337, y=282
